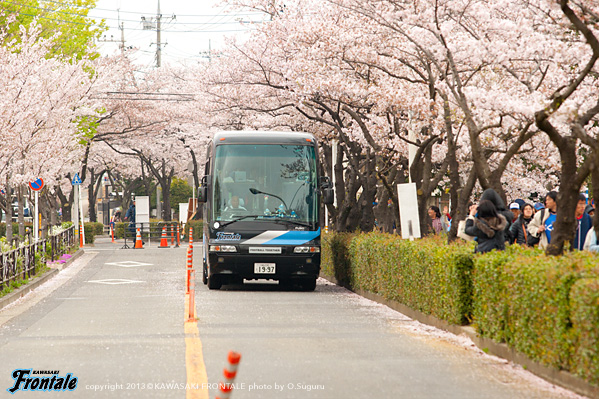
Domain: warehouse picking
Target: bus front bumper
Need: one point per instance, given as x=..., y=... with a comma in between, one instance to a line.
x=271, y=267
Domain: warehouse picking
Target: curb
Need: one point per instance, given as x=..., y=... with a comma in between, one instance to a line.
x=36, y=282
x=558, y=377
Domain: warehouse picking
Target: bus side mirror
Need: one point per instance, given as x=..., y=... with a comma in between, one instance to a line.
x=203, y=190
x=327, y=191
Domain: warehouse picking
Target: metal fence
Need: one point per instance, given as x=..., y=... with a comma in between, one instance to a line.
x=151, y=232
x=20, y=263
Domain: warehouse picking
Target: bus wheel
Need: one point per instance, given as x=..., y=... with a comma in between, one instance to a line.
x=214, y=283
x=308, y=284
x=205, y=274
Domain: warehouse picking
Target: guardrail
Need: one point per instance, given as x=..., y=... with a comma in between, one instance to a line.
x=20, y=263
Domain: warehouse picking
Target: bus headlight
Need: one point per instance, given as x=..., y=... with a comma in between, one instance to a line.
x=223, y=248
x=306, y=250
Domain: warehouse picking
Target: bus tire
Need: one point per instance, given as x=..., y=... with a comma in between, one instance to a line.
x=205, y=274
x=308, y=284
x=214, y=283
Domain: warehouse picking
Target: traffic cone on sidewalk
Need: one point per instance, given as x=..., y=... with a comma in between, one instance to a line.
x=164, y=239
x=138, y=242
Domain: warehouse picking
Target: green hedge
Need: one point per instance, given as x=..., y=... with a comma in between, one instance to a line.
x=425, y=275
x=536, y=305
x=585, y=321
x=98, y=228
x=544, y=307
x=90, y=232
x=335, y=260
x=15, y=228
x=197, y=225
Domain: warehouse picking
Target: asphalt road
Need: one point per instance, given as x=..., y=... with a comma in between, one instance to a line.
x=115, y=320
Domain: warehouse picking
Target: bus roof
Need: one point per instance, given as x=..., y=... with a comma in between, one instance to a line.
x=263, y=137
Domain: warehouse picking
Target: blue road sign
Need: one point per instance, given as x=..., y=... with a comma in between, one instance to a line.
x=36, y=185
x=76, y=180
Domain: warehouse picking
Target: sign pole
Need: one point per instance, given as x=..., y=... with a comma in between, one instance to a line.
x=36, y=219
x=78, y=207
x=75, y=209
x=81, y=210
x=36, y=186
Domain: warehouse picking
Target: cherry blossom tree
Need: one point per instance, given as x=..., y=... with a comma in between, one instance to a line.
x=570, y=117
x=476, y=69
x=41, y=101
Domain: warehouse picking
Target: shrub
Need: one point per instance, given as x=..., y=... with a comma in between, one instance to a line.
x=90, y=233
x=522, y=297
x=15, y=228
x=426, y=275
x=197, y=225
x=544, y=307
x=98, y=228
x=585, y=319
x=335, y=259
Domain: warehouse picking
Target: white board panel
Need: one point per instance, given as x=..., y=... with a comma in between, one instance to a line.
x=408, y=210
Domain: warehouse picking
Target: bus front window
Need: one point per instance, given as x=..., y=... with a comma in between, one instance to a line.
x=265, y=181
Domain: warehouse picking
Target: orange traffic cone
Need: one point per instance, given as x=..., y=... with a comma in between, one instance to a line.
x=229, y=373
x=164, y=239
x=138, y=242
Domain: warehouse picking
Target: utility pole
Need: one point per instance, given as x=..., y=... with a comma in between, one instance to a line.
x=158, y=43
x=148, y=24
x=112, y=40
x=122, y=28
x=207, y=54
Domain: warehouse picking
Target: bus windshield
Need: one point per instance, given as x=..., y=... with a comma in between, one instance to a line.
x=265, y=182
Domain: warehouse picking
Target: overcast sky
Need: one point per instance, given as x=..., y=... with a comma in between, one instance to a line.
x=189, y=27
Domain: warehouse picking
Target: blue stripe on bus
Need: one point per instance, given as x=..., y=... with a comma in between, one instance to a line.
x=294, y=238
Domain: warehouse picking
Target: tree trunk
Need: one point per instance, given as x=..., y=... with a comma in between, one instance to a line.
x=9, y=232
x=91, y=196
x=21, y=216
x=165, y=183
x=570, y=182
x=595, y=184
x=66, y=202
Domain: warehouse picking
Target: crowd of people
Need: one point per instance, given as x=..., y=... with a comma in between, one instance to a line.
x=493, y=225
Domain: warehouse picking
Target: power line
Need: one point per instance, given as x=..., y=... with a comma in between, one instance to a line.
x=140, y=13
x=118, y=19
x=137, y=29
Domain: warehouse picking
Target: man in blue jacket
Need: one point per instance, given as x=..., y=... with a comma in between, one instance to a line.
x=130, y=217
x=584, y=223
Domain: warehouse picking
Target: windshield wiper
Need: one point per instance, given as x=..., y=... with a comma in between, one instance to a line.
x=296, y=222
x=269, y=218
x=238, y=219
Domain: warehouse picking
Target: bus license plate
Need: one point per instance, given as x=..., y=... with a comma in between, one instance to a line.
x=265, y=268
